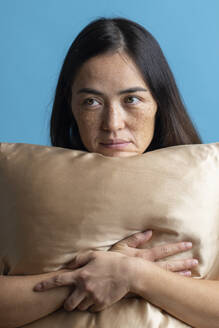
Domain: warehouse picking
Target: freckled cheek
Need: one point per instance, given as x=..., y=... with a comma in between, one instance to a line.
x=89, y=126
x=143, y=126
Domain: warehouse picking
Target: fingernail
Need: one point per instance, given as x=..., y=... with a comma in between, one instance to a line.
x=187, y=273
x=38, y=287
x=188, y=244
x=194, y=261
x=147, y=231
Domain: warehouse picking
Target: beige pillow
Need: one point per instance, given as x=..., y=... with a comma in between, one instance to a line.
x=56, y=201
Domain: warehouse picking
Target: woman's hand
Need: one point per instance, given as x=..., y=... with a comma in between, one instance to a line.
x=100, y=278
x=128, y=246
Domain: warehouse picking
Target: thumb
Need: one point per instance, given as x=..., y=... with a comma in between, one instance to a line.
x=138, y=238
x=80, y=259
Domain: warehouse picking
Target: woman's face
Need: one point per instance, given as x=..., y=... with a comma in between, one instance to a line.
x=108, y=111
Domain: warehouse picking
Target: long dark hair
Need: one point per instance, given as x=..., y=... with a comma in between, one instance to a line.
x=172, y=123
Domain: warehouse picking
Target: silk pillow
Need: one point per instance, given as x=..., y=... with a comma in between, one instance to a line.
x=55, y=202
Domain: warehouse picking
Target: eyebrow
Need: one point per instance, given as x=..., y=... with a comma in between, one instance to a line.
x=96, y=92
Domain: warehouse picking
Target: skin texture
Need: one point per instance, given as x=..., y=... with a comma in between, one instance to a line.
x=30, y=306
x=102, y=278
x=95, y=272
x=96, y=280
x=128, y=116
x=20, y=305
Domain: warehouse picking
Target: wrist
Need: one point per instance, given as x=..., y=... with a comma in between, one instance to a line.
x=140, y=273
x=133, y=270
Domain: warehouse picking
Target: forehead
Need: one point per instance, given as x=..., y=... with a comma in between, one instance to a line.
x=111, y=71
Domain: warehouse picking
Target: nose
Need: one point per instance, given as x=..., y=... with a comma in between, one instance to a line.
x=113, y=119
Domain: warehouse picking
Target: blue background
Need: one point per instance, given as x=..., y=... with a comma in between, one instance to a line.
x=36, y=34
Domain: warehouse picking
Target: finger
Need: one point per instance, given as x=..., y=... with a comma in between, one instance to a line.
x=97, y=307
x=178, y=265
x=165, y=250
x=136, y=239
x=185, y=273
x=85, y=304
x=62, y=279
x=81, y=259
x=74, y=300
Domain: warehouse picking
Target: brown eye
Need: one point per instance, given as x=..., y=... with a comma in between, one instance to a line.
x=89, y=101
x=131, y=97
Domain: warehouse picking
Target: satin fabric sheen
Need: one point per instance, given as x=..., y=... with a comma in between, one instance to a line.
x=55, y=202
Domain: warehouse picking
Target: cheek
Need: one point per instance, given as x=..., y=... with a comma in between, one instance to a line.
x=88, y=124
x=143, y=124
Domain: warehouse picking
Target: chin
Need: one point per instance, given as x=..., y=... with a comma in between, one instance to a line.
x=118, y=154
x=109, y=152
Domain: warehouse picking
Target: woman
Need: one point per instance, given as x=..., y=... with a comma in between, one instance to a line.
x=110, y=62
x=117, y=96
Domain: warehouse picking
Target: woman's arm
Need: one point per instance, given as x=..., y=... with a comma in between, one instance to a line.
x=20, y=305
x=106, y=277
x=194, y=301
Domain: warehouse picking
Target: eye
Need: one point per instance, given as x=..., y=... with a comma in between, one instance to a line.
x=89, y=101
x=131, y=97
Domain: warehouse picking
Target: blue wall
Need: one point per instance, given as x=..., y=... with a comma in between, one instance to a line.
x=36, y=34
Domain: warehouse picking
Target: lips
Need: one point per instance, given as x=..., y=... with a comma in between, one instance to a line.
x=118, y=144
x=114, y=142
